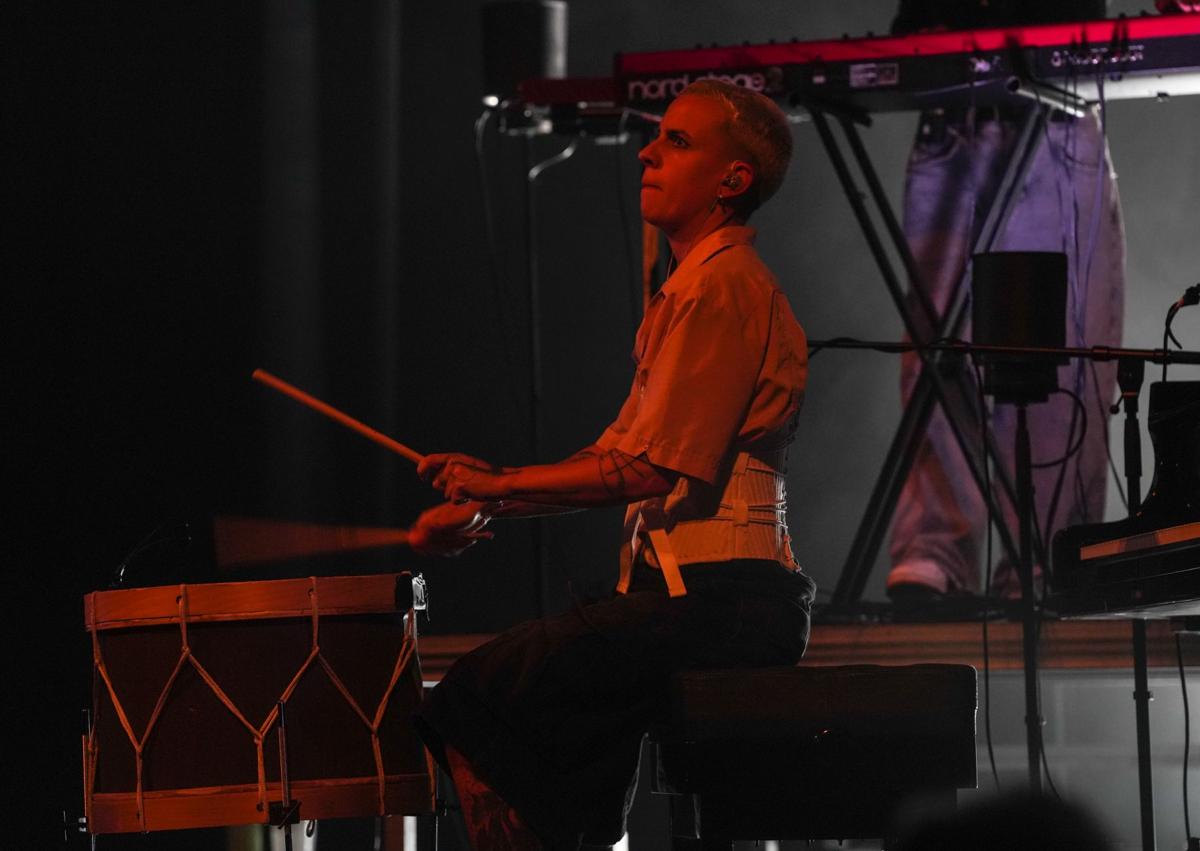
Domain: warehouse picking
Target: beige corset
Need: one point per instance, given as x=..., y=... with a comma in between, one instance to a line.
x=748, y=522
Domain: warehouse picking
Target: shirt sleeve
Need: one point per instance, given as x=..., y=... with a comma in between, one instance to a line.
x=695, y=393
x=620, y=426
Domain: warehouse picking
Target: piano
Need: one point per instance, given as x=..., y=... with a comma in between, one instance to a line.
x=1065, y=64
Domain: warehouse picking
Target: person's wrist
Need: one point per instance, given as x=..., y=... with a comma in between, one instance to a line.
x=501, y=486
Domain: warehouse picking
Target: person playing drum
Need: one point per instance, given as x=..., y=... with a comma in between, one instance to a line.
x=541, y=728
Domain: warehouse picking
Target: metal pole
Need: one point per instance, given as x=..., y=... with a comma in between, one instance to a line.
x=1142, y=697
x=1033, y=715
x=1130, y=375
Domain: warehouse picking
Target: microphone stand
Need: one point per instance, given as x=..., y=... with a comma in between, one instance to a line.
x=1030, y=611
x=1130, y=375
x=1130, y=372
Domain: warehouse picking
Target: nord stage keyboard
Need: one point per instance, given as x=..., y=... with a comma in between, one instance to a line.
x=1066, y=64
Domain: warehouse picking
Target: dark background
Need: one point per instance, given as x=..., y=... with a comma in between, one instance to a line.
x=198, y=190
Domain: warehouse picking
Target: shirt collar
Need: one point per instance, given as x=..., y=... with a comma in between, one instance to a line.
x=713, y=244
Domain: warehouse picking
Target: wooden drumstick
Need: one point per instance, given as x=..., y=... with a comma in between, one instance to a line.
x=264, y=377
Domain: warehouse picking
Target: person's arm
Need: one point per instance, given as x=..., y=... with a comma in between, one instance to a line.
x=591, y=478
x=451, y=528
x=448, y=529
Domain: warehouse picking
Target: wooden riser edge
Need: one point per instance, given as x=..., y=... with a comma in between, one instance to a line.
x=1075, y=644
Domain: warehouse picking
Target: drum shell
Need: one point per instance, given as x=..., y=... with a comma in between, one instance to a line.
x=199, y=714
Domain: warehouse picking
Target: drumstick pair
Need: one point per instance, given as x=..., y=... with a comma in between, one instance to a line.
x=264, y=377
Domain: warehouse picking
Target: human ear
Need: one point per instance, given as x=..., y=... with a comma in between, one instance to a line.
x=738, y=179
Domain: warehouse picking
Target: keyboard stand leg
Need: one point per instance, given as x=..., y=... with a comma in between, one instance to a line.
x=923, y=326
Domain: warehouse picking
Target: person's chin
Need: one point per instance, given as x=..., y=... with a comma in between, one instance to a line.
x=650, y=215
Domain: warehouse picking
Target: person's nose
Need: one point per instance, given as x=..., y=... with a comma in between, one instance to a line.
x=649, y=154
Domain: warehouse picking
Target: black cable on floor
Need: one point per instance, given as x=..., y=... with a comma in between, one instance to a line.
x=1187, y=734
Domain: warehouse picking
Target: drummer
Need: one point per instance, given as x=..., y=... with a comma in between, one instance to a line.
x=541, y=728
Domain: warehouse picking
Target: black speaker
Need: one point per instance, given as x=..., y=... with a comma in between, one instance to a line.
x=1019, y=298
x=522, y=40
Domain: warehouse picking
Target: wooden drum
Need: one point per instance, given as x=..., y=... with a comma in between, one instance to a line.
x=187, y=681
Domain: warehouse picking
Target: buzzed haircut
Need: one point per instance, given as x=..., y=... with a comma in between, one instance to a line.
x=760, y=132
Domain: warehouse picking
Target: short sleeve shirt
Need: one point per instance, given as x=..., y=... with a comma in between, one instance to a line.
x=720, y=361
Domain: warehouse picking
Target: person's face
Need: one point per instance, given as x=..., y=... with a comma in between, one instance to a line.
x=684, y=166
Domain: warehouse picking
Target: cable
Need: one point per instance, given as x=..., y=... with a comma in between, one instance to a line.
x=1078, y=414
x=1038, y=649
x=1100, y=170
x=813, y=351
x=1079, y=302
x=1173, y=338
x=1166, y=335
x=1066, y=456
x=987, y=581
x=1046, y=770
x=886, y=348
x=1112, y=464
x=1190, y=296
x=163, y=533
x=1187, y=734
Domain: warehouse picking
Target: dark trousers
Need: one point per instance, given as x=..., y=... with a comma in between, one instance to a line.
x=551, y=713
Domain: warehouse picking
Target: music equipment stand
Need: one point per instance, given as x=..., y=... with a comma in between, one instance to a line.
x=1130, y=372
x=942, y=380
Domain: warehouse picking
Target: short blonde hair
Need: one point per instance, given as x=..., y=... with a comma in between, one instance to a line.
x=758, y=129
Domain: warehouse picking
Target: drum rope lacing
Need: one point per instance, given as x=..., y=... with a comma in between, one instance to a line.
x=258, y=734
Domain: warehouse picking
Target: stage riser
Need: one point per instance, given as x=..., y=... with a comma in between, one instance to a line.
x=1066, y=645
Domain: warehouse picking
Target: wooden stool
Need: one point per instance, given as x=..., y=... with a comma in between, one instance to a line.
x=812, y=753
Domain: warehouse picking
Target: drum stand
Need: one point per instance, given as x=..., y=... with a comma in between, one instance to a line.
x=285, y=812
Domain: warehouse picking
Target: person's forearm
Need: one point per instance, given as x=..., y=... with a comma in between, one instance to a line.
x=513, y=509
x=592, y=478
x=516, y=508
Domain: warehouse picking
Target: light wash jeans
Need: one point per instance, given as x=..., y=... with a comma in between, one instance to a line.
x=1068, y=203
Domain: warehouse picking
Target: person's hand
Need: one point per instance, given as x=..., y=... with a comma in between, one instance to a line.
x=463, y=477
x=1172, y=7
x=448, y=529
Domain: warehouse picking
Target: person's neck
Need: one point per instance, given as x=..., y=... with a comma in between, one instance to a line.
x=683, y=243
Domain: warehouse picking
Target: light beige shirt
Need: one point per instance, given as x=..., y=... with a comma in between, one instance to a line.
x=721, y=365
